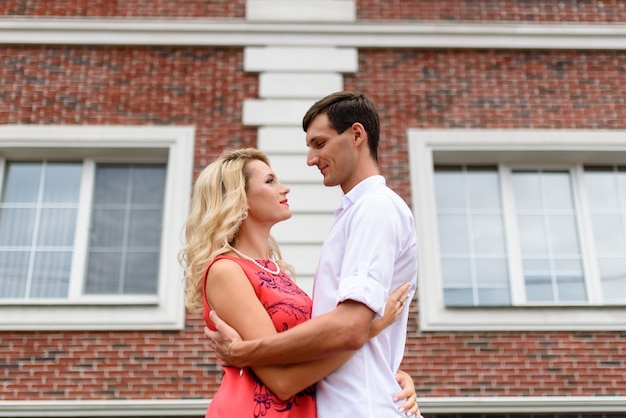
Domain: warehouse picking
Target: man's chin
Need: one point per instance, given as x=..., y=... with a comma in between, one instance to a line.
x=329, y=183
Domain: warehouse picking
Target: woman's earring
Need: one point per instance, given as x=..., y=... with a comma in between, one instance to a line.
x=245, y=214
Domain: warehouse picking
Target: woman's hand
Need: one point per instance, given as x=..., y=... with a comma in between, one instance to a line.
x=393, y=309
x=410, y=406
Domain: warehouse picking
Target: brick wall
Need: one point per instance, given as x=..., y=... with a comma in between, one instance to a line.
x=412, y=88
x=107, y=365
x=155, y=86
x=607, y=11
x=124, y=8
x=546, y=11
x=516, y=363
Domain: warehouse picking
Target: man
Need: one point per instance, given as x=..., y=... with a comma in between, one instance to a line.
x=370, y=250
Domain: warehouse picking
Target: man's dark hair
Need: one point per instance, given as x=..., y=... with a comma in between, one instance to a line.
x=343, y=109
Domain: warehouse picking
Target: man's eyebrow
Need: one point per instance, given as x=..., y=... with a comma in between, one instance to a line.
x=315, y=139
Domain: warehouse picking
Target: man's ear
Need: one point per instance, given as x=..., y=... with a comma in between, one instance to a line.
x=359, y=134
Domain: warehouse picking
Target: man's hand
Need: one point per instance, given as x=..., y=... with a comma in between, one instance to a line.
x=222, y=340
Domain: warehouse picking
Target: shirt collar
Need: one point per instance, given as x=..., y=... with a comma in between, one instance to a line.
x=359, y=190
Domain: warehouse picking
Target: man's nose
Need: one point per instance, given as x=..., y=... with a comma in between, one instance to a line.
x=311, y=158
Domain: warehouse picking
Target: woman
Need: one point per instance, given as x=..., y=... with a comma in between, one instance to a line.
x=234, y=266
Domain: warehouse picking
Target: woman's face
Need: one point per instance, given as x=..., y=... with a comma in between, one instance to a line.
x=267, y=197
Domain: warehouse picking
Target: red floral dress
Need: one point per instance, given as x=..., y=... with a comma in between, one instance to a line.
x=242, y=394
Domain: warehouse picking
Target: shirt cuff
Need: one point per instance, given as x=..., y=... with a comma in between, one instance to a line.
x=364, y=289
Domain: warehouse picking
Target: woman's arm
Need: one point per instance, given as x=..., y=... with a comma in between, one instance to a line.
x=232, y=297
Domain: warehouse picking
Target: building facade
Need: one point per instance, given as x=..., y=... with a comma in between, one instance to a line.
x=503, y=125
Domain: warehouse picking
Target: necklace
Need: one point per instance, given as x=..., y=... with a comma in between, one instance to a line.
x=256, y=263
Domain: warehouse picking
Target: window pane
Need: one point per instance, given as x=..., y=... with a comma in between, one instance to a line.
x=605, y=188
x=453, y=234
x=107, y=228
x=22, y=183
x=125, y=237
x=456, y=273
x=527, y=191
x=13, y=273
x=601, y=188
x=570, y=280
x=487, y=233
x=37, y=225
x=549, y=238
x=494, y=296
x=57, y=227
x=148, y=185
x=483, y=189
x=563, y=234
x=51, y=274
x=492, y=272
x=62, y=183
x=463, y=296
x=144, y=268
x=471, y=236
x=145, y=227
x=16, y=226
x=613, y=276
x=606, y=233
x=538, y=288
x=537, y=277
x=103, y=273
x=112, y=184
x=449, y=188
x=536, y=266
x=557, y=191
x=533, y=236
x=493, y=282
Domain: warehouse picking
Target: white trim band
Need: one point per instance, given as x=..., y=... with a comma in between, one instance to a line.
x=439, y=405
x=204, y=32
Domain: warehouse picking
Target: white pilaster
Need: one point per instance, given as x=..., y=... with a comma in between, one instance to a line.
x=291, y=79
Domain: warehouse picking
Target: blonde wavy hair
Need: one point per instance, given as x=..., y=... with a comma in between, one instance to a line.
x=217, y=210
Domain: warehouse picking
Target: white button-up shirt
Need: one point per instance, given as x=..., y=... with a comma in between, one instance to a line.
x=371, y=249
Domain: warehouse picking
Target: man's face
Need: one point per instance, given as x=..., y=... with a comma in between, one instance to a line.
x=333, y=153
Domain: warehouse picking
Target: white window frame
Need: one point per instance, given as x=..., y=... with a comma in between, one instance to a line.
x=170, y=144
x=428, y=147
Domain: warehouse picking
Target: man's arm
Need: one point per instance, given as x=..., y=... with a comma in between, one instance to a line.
x=223, y=340
x=346, y=328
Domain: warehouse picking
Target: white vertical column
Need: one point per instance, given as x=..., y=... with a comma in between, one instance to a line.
x=291, y=79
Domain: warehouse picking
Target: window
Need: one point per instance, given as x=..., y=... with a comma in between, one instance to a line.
x=471, y=236
x=90, y=226
x=520, y=229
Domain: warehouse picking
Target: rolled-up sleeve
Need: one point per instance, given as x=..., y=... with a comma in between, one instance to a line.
x=371, y=247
